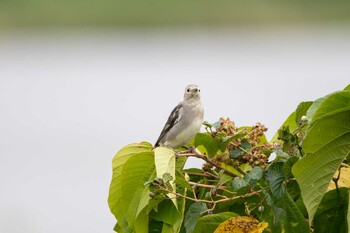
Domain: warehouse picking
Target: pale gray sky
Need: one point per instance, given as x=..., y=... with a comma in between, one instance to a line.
x=70, y=100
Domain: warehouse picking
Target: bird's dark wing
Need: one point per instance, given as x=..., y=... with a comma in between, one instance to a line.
x=172, y=120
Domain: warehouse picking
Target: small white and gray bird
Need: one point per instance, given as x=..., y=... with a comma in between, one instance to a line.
x=184, y=121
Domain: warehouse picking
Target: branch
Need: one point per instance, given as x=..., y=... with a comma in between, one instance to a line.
x=224, y=199
x=210, y=186
x=202, y=174
x=195, y=153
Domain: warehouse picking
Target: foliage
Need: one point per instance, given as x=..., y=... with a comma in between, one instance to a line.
x=140, y=13
x=239, y=186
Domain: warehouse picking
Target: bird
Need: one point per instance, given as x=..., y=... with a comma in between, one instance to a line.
x=184, y=121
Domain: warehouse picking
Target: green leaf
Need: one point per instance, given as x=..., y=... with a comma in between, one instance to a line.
x=256, y=173
x=347, y=88
x=169, y=215
x=276, y=178
x=287, y=166
x=239, y=182
x=294, y=220
x=236, y=136
x=235, y=153
x=211, y=144
x=302, y=110
x=181, y=203
x=116, y=228
x=284, y=133
x=331, y=214
x=125, y=228
x=317, y=141
x=290, y=121
x=164, y=159
x=223, y=179
x=115, y=198
x=193, y=214
x=284, y=213
x=245, y=167
x=281, y=155
x=273, y=214
x=155, y=226
x=180, y=162
x=231, y=169
x=134, y=194
x=246, y=145
x=210, y=222
x=181, y=181
x=326, y=144
x=141, y=222
x=294, y=190
x=314, y=172
x=332, y=104
x=207, y=124
x=313, y=108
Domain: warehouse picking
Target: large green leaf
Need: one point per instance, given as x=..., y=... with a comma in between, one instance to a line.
x=211, y=144
x=193, y=214
x=210, y=222
x=333, y=103
x=283, y=212
x=118, y=163
x=170, y=212
x=276, y=178
x=169, y=215
x=294, y=220
x=331, y=214
x=164, y=159
x=141, y=222
x=326, y=144
x=134, y=194
x=132, y=167
x=313, y=108
x=347, y=88
x=302, y=109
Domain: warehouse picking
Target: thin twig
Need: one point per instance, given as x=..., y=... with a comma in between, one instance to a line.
x=206, y=185
x=199, y=174
x=212, y=201
x=208, y=160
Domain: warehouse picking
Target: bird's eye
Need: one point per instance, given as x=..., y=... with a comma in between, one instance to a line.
x=188, y=90
x=199, y=90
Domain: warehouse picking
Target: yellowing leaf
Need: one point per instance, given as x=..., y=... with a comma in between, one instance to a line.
x=241, y=224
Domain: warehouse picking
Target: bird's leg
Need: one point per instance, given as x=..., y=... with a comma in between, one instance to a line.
x=193, y=149
x=188, y=149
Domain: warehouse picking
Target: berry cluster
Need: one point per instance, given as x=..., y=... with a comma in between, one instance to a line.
x=247, y=145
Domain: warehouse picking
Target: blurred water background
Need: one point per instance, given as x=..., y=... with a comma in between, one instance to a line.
x=81, y=79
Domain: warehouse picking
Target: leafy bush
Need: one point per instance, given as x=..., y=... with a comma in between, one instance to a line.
x=241, y=187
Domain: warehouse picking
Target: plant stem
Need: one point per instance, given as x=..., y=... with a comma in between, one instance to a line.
x=201, y=174
x=210, y=186
x=210, y=161
x=224, y=199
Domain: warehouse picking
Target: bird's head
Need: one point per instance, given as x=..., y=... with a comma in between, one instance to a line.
x=192, y=91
